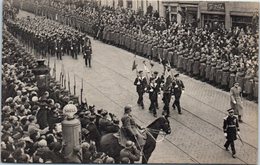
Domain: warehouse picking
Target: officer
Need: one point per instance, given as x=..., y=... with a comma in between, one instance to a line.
x=231, y=130
x=158, y=80
x=131, y=129
x=178, y=88
x=87, y=52
x=236, y=100
x=58, y=49
x=167, y=92
x=141, y=84
x=153, y=94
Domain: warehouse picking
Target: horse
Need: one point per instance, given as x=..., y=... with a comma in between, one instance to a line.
x=109, y=143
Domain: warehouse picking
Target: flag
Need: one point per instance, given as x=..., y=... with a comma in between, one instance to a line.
x=134, y=66
x=145, y=68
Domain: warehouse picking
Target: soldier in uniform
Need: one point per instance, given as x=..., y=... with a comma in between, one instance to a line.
x=87, y=52
x=178, y=88
x=153, y=94
x=167, y=92
x=141, y=84
x=236, y=100
x=130, y=128
x=231, y=130
x=58, y=48
x=158, y=81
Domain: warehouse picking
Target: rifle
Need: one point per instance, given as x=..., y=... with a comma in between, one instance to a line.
x=81, y=91
x=69, y=81
x=74, y=85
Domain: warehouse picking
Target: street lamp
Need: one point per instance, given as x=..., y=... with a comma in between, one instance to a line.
x=42, y=75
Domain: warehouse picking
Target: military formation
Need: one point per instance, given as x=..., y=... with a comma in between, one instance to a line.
x=46, y=38
x=32, y=116
x=225, y=58
x=216, y=55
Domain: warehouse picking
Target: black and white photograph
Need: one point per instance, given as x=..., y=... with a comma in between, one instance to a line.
x=129, y=81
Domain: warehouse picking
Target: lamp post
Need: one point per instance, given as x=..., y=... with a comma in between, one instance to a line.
x=42, y=75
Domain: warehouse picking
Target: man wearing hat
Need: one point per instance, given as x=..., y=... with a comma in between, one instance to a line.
x=106, y=125
x=236, y=100
x=130, y=128
x=93, y=134
x=141, y=84
x=158, y=81
x=178, y=87
x=231, y=130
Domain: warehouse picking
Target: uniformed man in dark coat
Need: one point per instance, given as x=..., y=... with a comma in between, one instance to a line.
x=231, y=130
x=141, y=84
x=158, y=80
x=153, y=94
x=87, y=52
x=178, y=88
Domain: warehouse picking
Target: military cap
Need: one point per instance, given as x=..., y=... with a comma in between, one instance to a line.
x=230, y=110
x=155, y=72
x=104, y=113
x=176, y=75
x=128, y=108
x=140, y=71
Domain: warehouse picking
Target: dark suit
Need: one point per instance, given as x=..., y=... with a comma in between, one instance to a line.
x=158, y=81
x=93, y=134
x=177, y=91
x=153, y=96
x=230, y=126
x=141, y=84
x=87, y=55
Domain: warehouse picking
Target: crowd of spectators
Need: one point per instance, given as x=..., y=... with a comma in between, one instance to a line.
x=214, y=54
x=31, y=129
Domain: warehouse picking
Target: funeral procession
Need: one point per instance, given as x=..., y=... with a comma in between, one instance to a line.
x=129, y=81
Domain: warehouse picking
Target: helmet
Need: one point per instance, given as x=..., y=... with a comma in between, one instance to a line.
x=128, y=109
x=129, y=144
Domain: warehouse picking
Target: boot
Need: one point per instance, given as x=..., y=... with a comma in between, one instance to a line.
x=239, y=119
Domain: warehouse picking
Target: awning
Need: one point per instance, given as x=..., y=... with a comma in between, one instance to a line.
x=237, y=13
x=213, y=12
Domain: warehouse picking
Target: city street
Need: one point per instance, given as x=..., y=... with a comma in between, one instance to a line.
x=197, y=135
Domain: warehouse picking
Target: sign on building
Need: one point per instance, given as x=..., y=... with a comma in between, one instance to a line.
x=216, y=6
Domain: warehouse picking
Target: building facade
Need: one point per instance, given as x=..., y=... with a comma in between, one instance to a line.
x=228, y=14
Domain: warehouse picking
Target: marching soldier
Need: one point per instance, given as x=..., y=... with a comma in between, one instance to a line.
x=158, y=81
x=141, y=84
x=87, y=52
x=236, y=100
x=153, y=94
x=58, y=48
x=231, y=130
x=167, y=93
x=178, y=88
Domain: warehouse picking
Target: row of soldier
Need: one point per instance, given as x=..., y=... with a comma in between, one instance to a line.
x=167, y=84
x=31, y=119
x=220, y=57
x=48, y=38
